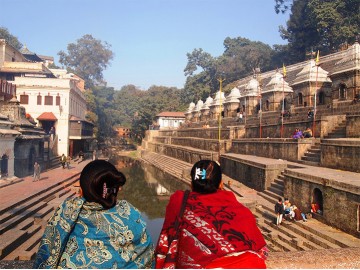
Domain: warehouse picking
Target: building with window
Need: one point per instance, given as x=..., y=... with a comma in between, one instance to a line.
x=54, y=98
x=170, y=120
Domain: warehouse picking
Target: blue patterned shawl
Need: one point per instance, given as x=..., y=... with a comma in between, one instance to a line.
x=81, y=234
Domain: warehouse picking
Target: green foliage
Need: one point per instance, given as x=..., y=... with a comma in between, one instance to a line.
x=323, y=25
x=240, y=58
x=88, y=58
x=11, y=39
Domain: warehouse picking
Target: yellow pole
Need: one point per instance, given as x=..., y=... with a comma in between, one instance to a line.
x=221, y=81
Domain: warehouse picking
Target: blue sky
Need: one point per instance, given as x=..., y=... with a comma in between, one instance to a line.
x=150, y=38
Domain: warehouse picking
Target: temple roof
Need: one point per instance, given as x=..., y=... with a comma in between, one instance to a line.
x=219, y=99
x=234, y=96
x=277, y=84
x=207, y=103
x=252, y=88
x=198, y=106
x=311, y=73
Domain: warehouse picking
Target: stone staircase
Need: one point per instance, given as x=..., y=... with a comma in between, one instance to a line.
x=166, y=163
x=21, y=225
x=294, y=235
x=313, y=155
x=338, y=132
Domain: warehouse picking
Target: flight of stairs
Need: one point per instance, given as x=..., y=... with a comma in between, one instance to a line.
x=290, y=235
x=338, y=132
x=312, y=156
x=21, y=225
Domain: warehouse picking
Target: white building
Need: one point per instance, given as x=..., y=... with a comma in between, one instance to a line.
x=170, y=120
x=53, y=98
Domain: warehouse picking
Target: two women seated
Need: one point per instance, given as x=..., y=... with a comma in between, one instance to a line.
x=209, y=229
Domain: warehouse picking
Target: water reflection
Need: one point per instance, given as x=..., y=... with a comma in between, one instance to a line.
x=148, y=189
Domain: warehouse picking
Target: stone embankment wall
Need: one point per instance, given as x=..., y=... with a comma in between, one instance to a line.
x=287, y=149
x=343, y=154
x=340, y=195
x=255, y=172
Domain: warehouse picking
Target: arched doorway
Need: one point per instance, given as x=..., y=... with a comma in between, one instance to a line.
x=317, y=201
x=4, y=166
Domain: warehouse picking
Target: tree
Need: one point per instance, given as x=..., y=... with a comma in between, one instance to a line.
x=323, y=25
x=12, y=40
x=240, y=57
x=88, y=58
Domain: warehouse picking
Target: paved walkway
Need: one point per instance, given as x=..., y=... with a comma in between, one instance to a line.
x=10, y=193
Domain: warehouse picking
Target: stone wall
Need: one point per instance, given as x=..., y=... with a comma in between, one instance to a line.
x=288, y=149
x=353, y=126
x=343, y=154
x=271, y=128
x=254, y=172
x=182, y=153
x=340, y=199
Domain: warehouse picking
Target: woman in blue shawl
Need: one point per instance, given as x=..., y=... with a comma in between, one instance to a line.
x=95, y=230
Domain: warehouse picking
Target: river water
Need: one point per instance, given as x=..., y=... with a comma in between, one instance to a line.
x=148, y=189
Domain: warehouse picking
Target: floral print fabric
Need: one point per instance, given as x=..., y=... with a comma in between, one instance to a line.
x=84, y=235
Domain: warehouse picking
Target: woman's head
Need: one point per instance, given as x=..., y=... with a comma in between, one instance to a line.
x=100, y=182
x=205, y=176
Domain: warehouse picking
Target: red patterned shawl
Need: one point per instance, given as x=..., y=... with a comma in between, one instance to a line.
x=213, y=225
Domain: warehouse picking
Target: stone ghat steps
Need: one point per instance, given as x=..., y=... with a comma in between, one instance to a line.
x=291, y=233
x=313, y=230
x=19, y=211
x=183, y=153
x=21, y=233
x=166, y=163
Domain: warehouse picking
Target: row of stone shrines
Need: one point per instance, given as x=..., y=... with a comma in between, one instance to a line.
x=331, y=82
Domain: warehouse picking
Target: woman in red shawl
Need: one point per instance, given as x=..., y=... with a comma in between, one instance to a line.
x=215, y=230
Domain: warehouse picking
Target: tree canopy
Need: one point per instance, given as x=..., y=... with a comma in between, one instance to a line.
x=11, y=39
x=241, y=56
x=324, y=25
x=88, y=58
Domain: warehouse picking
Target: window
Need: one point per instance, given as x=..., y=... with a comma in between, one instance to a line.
x=57, y=101
x=39, y=99
x=267, y=105
x=342, y=91
x=300, y=99
x=48, y=100
x=24, y=99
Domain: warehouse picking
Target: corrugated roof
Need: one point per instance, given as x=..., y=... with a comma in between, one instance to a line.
x=47, y=116
x=171, y=114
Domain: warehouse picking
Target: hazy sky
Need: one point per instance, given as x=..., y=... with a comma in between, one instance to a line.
x=150, y=38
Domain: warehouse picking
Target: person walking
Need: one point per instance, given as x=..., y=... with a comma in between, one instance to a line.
x=37, y=170
x=63, y=161
x=68, y=159
x=279, y=211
